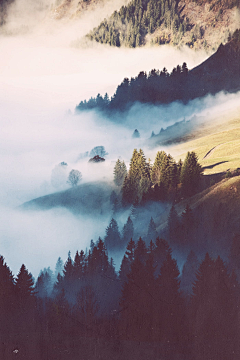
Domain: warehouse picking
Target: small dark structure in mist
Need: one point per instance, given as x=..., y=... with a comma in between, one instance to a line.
x=96, y=159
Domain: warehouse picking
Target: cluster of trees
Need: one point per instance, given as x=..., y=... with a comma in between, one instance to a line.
x=115, y=241
x=155, y=87
x=129, y=26
x=144, y=302
x=164, y=180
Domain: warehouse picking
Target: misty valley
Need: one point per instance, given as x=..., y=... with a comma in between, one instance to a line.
x=120, y=180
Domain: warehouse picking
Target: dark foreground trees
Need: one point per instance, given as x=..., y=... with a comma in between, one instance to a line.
x=136, y=314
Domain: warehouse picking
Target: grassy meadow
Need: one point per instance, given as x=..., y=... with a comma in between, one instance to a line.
x=216, y=143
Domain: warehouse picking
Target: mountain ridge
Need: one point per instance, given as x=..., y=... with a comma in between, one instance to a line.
x=220, y=72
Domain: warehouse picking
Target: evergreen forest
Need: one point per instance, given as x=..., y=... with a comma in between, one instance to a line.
x=161, y=87
x=149, y=308
x=129, y=26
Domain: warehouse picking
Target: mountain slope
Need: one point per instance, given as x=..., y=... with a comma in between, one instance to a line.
x=89, y=198
x=220, y=72
x=216, y=211
x=203, y=24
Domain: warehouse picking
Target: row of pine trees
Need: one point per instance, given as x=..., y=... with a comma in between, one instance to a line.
x=192, y=316
x=165, y=180
x=154, y=87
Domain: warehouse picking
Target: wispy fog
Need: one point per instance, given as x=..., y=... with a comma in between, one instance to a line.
x=44, y=73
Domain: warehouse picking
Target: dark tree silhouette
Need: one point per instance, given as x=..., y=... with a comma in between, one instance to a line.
x=112, y=239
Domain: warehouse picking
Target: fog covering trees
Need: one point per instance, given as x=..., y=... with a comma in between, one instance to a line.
x=59, y=175
x=120, y=172
x=161, y=87
x=92, y=304
x=74, y=177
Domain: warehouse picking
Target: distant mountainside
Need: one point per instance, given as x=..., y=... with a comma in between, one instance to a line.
x=198, y=24
x=73, y=8
x=220, y=72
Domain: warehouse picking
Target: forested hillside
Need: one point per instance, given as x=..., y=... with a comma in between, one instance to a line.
x=146, y=310
x=130, y=25
x=162, y=22
x=219, y=72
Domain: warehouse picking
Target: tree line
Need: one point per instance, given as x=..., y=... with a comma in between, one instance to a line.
x=165, y=180
x=161, y=87
x=195, y=315
x=155, y=87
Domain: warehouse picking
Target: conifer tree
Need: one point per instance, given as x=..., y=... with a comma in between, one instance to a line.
x=152, y=231
x=214, y=308
x=78, y=265
x=68, y=268
x=140, y=251
x=112, y=239
x=137, y=183
x=189, y=271
x=59, y=267
x=7, y=299
x=24, y=285
x=160, y=253
x=190, y=174
x=128, y=231
x=171, y=306
x=137, y=318
x=120, y=172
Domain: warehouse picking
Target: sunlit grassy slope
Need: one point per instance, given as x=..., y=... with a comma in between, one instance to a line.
x=217, y=144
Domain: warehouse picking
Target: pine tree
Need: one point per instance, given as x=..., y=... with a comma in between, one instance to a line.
x=135, y=134
x=7, y=300
x=171, y=307
x=190, y=174
x=59, y=267
x=128, y=232
x=158, y=166
x=137, y=295
x=44, y=283
x=127, y=261
x=24, y=285
x=152, y=231
x=140, y=251
x=189, y=271
x=78, y=265
x=160, y=253
x=120, y=172
x=214, y=309
x=112, y=239
x=68, y=268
